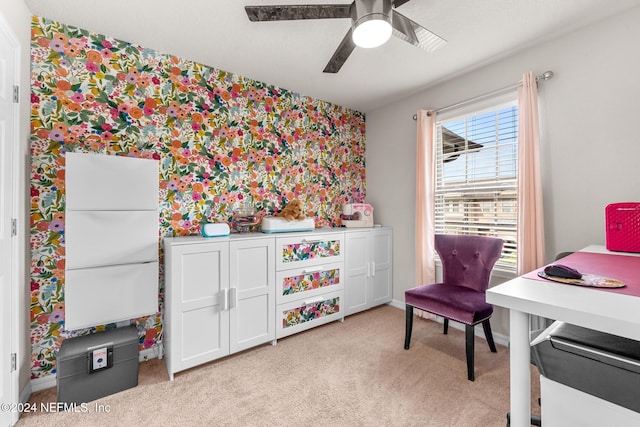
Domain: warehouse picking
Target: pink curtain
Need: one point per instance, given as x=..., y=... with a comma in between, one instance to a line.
x=530, y=215
x=425, y=188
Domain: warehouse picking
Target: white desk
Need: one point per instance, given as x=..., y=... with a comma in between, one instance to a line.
x=592, y=308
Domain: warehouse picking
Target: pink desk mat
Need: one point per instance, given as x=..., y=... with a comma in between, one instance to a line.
x=620, y=267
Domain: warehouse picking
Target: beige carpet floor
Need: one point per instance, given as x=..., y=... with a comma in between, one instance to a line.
x=351, y=373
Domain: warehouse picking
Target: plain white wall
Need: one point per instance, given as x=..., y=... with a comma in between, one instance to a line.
x=590, y=151
x=17, y=17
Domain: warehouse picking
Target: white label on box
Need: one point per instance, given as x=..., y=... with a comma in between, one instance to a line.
x=99, y=358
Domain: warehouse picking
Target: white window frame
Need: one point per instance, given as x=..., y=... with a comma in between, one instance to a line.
x=501, y=191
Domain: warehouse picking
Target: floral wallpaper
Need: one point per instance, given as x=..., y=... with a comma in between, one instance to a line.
x=222, y=140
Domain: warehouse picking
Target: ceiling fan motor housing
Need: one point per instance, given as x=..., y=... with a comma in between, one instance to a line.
x=380, y=9
x=363, y=11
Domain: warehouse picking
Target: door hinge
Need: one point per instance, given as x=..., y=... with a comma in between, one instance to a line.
x=14, y=227
x=14, y=363
x=16, y=94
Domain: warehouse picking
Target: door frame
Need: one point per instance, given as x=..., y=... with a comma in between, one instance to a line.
x=11, y=332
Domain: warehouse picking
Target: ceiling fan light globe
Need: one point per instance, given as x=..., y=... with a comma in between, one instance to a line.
x=371, y=32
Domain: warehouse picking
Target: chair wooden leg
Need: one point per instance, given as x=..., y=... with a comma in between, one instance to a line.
x=408, y=326
x=489, y=336
x=446, y=326
x=469, y=337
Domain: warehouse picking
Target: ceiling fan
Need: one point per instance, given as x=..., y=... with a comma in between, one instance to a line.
x=372, y=24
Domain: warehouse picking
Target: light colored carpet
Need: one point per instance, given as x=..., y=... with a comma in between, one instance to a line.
x=351, y=373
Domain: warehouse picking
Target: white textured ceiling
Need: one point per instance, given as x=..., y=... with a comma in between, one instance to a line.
x=292, y=54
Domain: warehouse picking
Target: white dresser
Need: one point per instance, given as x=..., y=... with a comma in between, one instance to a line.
x=310, y=280
x=226, y=294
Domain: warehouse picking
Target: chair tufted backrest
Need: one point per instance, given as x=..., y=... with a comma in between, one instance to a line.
x=468, y=260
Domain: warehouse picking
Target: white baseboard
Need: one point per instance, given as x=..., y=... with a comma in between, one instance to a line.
x=151, y=353
x=25, y=393
x=37, y=384
x=479, y=332
x=397, y=304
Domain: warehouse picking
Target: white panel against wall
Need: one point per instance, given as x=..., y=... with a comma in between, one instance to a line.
x=111, y=239
x=100, y=182
x=99, y=238
x=100, y=295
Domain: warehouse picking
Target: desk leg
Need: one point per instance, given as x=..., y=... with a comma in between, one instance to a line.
x=520, y=375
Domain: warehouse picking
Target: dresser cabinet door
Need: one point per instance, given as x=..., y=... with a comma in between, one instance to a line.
x=357, y=266
x=369, y=269
x=197, y=304
x=382, y=266
x=252, y=293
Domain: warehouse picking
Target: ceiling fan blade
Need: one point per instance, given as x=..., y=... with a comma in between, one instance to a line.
x=293, y=12
x=341, y=54
x=398, y=3
x=414, y=33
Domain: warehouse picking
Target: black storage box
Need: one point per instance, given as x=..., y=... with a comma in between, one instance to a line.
x=602, y=365
x=97, y=365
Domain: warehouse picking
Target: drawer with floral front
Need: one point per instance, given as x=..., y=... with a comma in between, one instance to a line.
x=297, y=316
x=309, y=249
x=308, y=282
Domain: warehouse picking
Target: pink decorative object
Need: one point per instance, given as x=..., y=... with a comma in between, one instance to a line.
x=623, y=227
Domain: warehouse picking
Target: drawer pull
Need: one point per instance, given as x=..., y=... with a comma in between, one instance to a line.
x=314, y=300
x=313, y=270
x=317, y=239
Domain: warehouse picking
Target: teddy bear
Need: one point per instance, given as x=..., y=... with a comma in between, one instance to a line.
x=293, y=211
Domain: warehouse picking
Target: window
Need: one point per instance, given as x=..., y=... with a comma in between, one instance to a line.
x=476, y=176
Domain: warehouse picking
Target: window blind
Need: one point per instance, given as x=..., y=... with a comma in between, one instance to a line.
x=476, y=177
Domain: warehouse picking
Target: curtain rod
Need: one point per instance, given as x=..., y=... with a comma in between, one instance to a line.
x=547, y=75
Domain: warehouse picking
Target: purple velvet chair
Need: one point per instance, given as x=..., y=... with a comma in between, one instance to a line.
x=467, y=262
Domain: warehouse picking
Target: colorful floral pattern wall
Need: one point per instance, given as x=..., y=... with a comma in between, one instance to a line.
x=222, y=140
